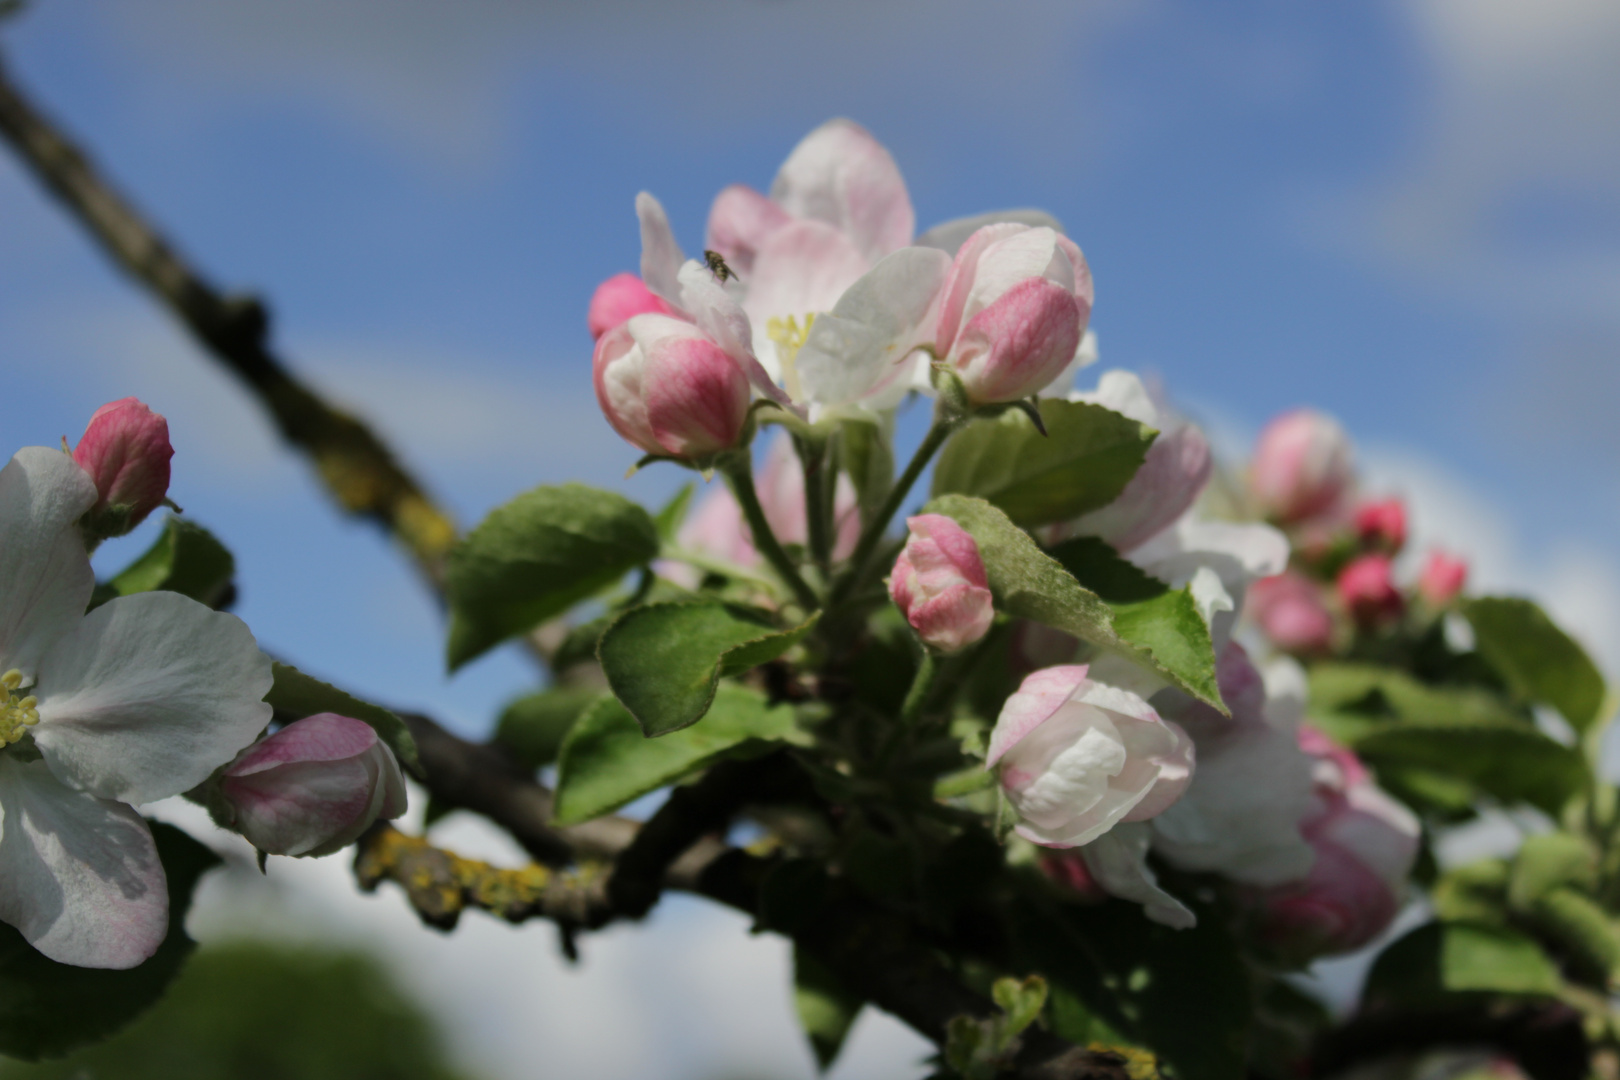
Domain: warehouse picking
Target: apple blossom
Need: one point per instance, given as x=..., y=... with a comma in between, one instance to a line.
x=1365, y=845
x=1301, y=466
x=940, y=586
x=1241, y=815
x=1076, y=756
x=668, y=388
x=1013, y=311
x=1367, y=589
x=311, y=788
x=1176, y=468
x=139, y=699
x=125, y=449
x=1382, y=524
x=1442, y=578
x=1217, y=561
x=617, y=299
x=1288, y=608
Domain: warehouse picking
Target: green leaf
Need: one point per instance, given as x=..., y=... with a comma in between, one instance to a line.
x=1101, y=569
x=606, y=761
x=1551, y=861
x=1439, y=959
x=299, y=695
x=1021, y=1001
x=186, y=559
x=1588, y=936
x=47, y=1009
x=1539, y=661
x=826, y=1009
x=1031, y=584
x=1514, y=764
x=538, y=556
x=664, y=661
x=1377, y=691
x=1183, y=993
x=668, y=520
x=1086, y=458
x=533, y=726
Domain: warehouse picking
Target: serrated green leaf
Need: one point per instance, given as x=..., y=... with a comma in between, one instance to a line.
x=1031, y=584
x=1440, y=959
x=1085, y=459
x=1514, y=764
x=825, y=1008
x=538, y=556
x=607, y=762
x=186, y=558
x=1539, y=661
x=533, y=726
x=298, y=695
x=664, y=661
x=48, y=1009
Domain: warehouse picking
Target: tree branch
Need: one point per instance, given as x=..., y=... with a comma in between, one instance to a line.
x=359, y=471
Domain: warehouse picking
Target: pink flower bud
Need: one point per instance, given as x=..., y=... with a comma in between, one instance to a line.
x=1290, y=611
x=1301, y=465
x=668, y=388
x=1365, y=845
x=1382, y=525
x=1077, y=756
x=940, y=585
x=617, y=299
x=1367, y=590
x=126, y=451
x=1443, y=577
x=1066, y=868
x=1014, y=307
x=313, y=787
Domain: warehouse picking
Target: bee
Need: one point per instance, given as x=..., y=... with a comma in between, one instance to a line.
x=717, y=265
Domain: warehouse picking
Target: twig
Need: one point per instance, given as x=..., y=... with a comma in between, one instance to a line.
x=360, y=472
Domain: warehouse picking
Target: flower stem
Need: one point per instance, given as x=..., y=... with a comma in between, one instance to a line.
x=922, y=685
x=813, y=454
x=872, y=534
x=740, y=472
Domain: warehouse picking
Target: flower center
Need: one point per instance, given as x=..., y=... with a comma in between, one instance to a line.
x=17, y=714
x=789, y=337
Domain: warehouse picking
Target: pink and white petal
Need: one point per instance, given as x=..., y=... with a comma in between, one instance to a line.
x=727, y=324
x=661, y=256
x=1029, y=253
x=45, y=575
x=1040, y=695
x=1085, y=290
x=861, y=345
x=298, y=807
x=949, y=236
x=148, y=695
x=959, y=281
x=739, y=222
x=1019, y=344
x=1175, y=773
x=1118, y=862
x=322, y=737
x=841, y=175
x=802, y=269
x=80, y=877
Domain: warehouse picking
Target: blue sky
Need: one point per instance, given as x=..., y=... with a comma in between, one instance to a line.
x=1405, y=213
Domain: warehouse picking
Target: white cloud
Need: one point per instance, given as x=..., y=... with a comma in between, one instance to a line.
x=688, y=994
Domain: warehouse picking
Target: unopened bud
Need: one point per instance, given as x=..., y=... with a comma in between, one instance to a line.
x=1301, y=466
x=619, y=298
x=669, y=389
x=1367, y=589
x=940, y=585
x=311, y=788
x=1381, y=525
x=1290, y=611
x=1443, y=577
x=126, y=451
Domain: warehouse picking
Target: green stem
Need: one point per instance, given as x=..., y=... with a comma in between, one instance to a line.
x=739, y=471
x=872, y=534
x=922, y=684
x=813, y=454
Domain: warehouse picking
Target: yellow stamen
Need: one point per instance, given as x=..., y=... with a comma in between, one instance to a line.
x=17, y=715
x=11, y=679
x=789, y=337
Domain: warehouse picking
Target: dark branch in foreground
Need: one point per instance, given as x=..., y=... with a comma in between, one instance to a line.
x=361, y=473
x=874, y=952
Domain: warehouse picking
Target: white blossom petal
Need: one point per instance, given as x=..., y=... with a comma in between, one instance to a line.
x=859, y=347
x=948, y=236
x=80, y=877
x=45, y=575
x=1118, y=861
x=148, y=695
x=841, y=175
x=661, y=256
